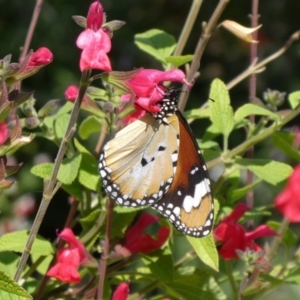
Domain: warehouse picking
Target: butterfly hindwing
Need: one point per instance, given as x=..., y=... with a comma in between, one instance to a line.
x=189, y=204
x=137, y=167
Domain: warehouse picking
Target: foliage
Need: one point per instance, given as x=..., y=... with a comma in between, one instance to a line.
x=153, y=260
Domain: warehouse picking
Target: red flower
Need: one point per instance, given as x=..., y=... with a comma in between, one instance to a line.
x=232, y=236
x=288, y=201
x=3, y=133
x=69, y=258
x=121, y=292
x=94, y=41
x=42, y=56
x=148, y=89
x=137, y=241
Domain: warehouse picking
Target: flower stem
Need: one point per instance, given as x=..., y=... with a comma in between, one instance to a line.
x=104, y=257
x=231, y=279
x=50, y=186
x=276, y=240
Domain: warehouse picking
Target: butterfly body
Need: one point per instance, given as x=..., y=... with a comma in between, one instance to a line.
x=156, y=161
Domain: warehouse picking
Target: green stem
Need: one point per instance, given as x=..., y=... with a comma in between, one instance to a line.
x=50, y=186
x=231, y=278
x=255, y=139
x=277, y=240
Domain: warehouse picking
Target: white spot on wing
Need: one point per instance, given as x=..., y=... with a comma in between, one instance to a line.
x=201, y=189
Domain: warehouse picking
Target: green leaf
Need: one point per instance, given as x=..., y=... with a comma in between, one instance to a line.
x=178, y=61
x=61, y=124
x=44, y=264
x=65, y=109
x=69, y=169
x=266, y=169
x=8, y=262
x=294, y=99
x=42, y=170
x=220, y=108
x=16, y=241
x=281, y=292
x=90, y=220
x=10, y=290
x=160, y=263
x=285, y=141
x=252, y=109
x=122, y=220
x=67, y=172
x=157, y=43
x=197, y=113
x=88, y=174
x=89, y=126
x=288, y=238
x=206, y=250
x=74, y=189
x=239, y=193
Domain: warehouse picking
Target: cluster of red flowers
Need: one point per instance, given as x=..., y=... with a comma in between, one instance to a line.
x=231, y=236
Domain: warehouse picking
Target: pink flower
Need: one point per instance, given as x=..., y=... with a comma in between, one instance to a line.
x=69, y=258
x=288, y=201
x=138, y=241
x=71, y=93
x=232, y=236
x=139, y=112
x=42, y=56
x=147, y=86
x=94, y=41
x=3, y=133
x=121, y=292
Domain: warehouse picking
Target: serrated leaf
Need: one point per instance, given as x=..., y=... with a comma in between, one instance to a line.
x=89, y=126
x=294, y=99
x=284, y=141
x=266, y=169
x=160, y=263
x=61, y=124
x=220, y=108
x=67, y=172
x=157, y=43
x=10, y=290
x=250, y=109
x=88, y=174
x=42, y=170
x=16, y=241
x=178, y=61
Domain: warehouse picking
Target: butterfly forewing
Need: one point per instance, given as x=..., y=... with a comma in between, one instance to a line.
x=189, y=204
x=138, y=166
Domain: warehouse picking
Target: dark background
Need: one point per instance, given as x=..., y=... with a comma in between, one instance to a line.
x=225, y=57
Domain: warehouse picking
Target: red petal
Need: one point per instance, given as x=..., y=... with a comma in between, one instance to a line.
x=121, y=292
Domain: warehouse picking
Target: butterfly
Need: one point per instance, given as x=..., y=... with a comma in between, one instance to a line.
x=156, y=161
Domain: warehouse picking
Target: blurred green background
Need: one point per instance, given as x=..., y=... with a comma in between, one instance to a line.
x=225, y=57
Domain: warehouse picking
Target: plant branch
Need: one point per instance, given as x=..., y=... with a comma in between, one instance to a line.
x=204, y=38
x=104, y=257
x=254, y=140
x=36, y=13
x=51, y=187
x=186, y=31
x=258, y=67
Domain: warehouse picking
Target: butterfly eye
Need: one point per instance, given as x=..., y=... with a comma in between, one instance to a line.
x=156, y=161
